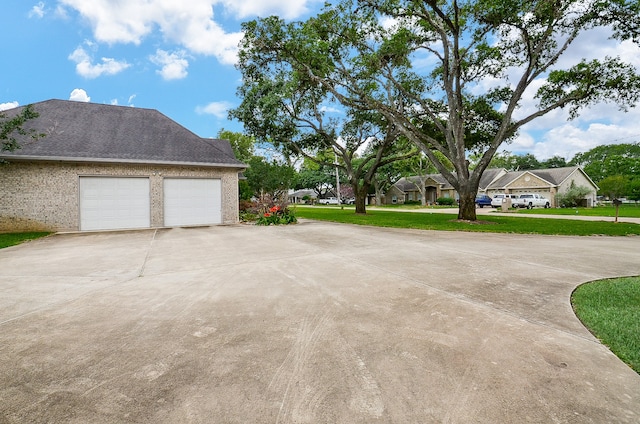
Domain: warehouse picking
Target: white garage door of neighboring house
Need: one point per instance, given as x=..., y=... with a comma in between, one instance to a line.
x=112, y=203
x=192, y=201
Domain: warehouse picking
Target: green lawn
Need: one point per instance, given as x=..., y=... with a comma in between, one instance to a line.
x=611, y=311
x=626, y=210
x=11, y=239
x=447, y=222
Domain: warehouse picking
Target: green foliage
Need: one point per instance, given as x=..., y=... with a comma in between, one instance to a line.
x=588, y=83
x=573, y=197
x=554, y=162
x=244, y=190
x=609, y=160
x=243, y=145
x=268, y=178
x=633, y=189
x=318, y=178
x=609, y=308
x=449, y=201
x=281, y=105
x=511, y=162
x=613, y=186
x=10, y=127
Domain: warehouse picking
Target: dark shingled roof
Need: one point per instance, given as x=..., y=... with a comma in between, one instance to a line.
x=554, y=176
x=411, y=183
x=91, y=132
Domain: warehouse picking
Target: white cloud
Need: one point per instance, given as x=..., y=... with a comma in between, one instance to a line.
x=331, y=109
x=603, y=124
x=191, y=24
x=87, y=69
x=287, y=9
x=174, y=65
x=79, y=95
x=8, y=105
x=37, y=10
x=116, y=101
x=61, y=12
x=217, y=109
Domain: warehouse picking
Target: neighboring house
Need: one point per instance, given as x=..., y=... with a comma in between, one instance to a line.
x=302, y=196
x=546, y=182
x=103, y=167
x=436, y=186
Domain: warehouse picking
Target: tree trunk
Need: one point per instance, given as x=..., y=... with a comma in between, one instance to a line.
x=361, y=198
x=467, y=209
x=378, y=189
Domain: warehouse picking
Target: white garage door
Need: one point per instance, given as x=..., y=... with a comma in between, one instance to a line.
x=108, y=203
x=192, y=201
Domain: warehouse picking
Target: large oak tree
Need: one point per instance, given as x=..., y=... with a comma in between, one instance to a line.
x=448, y=75
x=279, y=107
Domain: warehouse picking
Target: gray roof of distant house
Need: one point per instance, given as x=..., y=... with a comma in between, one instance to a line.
x=411, y=183
x=91, y=132
x=492, y=178
x=554, y=176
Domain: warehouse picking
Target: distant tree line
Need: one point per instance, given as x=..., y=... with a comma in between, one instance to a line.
x=615, y=168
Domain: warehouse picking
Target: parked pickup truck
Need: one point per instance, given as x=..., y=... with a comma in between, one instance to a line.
x=530, y=200
x=329, y=201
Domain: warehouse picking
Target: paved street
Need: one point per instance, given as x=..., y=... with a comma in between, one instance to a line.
x=309, y=323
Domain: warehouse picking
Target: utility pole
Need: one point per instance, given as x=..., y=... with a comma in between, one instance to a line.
x=337, y=180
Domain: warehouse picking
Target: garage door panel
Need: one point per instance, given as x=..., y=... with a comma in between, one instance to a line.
x=109, y=203
x=192, y=201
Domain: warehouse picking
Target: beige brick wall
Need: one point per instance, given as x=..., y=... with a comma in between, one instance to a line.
x=44, y=196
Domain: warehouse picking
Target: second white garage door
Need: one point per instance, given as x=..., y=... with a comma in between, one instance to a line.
x=192, y=201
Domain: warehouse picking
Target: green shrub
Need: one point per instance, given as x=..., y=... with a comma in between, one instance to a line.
x=447, y=201
x=246, y=216
x=573, y=197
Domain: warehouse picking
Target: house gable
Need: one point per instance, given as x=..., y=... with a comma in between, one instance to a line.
x=528, y=180
x=580, y=178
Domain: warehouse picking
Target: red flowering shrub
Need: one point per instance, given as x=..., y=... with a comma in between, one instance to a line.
x=276, y=215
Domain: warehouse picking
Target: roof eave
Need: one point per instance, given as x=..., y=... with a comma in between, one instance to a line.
x=11, y=158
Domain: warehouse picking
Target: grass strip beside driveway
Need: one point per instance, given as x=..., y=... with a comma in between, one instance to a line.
x=610, y=309
x=625, y=211
x=485, y=223
x=11, y=239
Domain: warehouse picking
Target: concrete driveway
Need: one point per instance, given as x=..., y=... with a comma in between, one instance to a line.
x=312, y=323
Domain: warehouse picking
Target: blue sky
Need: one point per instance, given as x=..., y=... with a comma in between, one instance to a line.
x=173, y=56
x=177, y=57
